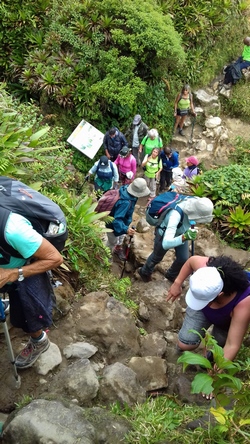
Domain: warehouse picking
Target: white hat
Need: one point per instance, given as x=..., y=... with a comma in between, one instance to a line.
x=138, y=188
x=177, y=172
x=129, y=174
x=204, y=285
x=199, y=209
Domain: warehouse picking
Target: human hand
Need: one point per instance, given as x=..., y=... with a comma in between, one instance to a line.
x=87, y=177
x=131, y=231
x=190, y=234
x=174, y=292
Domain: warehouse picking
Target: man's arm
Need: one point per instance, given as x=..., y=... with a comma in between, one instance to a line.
x=47, y=257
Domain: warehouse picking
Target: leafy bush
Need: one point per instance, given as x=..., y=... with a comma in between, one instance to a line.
x=237, y=105
x=228, y=187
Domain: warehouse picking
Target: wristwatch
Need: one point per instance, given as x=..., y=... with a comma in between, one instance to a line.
x=20, y=275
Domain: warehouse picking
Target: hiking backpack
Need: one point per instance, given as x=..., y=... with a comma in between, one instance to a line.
x=104, y=174
x=107, y=201
x=160, y=205
x=45, y=215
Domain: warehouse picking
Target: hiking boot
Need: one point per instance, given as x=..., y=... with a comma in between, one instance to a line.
x=6, y=305
x=144, y=277
x=31, y=352
x=119, y=251
x=181, y=132
x=169, y=277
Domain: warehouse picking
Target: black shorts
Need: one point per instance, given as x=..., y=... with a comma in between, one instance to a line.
x=182, y=112
x=31, y=303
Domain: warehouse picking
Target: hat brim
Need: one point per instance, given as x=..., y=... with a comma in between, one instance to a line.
x=144, y=193
x=194, y=303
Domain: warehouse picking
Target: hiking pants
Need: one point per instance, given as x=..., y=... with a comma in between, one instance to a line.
x=158, y=253
x=166, y=177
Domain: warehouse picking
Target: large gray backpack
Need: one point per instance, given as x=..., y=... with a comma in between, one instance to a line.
x=45, y=215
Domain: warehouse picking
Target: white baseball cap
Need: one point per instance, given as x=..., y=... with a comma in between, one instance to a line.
x=204, y=285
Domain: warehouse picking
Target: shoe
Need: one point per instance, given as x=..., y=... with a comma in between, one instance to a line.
x=168, y=277
x=118, y=251
x=31, y=352
x=144, y=277
x=6, y=305
x=181, y=132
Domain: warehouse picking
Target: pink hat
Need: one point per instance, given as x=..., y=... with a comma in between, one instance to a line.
x=193, y=160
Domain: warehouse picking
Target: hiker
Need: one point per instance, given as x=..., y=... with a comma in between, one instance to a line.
x=149, y=142
x=126, y=164
x=122, y=213
x=174, y=232
x=152, y=165
x=182, y=105
x=106, y=174
x=113, y=142
x=218, y=295
x=134, y=134
x=191, y=168
x=170, y=160
x=178, y=184
x=28, y=285
x=233, y=72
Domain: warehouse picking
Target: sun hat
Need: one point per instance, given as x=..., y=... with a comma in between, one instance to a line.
x=104, y=160
x=193, y=160
x=124, y=151
x=177, y=172
x=137, y=119
x=204, y=285
x=199, y=209
x=138, y=188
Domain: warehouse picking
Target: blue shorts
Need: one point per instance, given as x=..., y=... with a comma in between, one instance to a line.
x=196, y=320
x=31, y=303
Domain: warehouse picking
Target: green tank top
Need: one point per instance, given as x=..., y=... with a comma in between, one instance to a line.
x=184, y=103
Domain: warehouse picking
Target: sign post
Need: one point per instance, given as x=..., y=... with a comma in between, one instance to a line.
x=86, y=138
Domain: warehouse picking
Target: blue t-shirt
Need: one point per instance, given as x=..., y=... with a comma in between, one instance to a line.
x=20, y=234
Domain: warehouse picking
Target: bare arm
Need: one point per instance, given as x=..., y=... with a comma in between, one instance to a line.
x=191, y=265
x=47, y=257
x=238, y=327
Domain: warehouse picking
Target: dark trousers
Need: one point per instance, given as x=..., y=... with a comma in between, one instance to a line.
x=165, y=179
x=158, y=253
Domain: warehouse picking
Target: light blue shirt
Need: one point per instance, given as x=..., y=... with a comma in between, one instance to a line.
x=20, y=234
x=173, y=236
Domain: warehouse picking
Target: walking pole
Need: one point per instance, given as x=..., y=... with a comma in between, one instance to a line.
x=192, y=242
x=9, y=346
x=127, y=253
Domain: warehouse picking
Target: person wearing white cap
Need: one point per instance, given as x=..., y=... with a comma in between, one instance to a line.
x=122, y=213
x=218, y=295
x=174, y=232
x=134, y=135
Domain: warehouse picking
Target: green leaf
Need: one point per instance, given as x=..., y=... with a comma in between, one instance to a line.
x=202, y=383
x=188, y=358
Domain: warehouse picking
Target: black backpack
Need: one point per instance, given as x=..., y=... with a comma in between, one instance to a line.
x=45, y=215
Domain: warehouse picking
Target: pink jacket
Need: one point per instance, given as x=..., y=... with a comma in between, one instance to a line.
x=126, y=164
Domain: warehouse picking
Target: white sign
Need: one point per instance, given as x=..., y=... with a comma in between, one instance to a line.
x=86, y=138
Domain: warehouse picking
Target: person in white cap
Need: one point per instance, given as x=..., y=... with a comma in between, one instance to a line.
x=218, y=295
x=134, y=135
x=122, y=213
x=174, y=232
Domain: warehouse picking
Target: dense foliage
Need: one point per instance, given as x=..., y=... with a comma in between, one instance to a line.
x=232, y=203
x=106, y=60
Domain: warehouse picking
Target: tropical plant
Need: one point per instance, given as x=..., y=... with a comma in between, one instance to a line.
x=220, y=380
